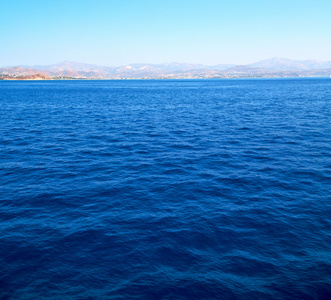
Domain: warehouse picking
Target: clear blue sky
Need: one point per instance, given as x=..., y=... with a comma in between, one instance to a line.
x=118, y=32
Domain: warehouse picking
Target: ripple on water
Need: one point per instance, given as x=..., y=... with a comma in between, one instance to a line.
x=202, y=189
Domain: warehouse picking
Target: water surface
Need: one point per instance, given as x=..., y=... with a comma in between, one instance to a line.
x=193, y=189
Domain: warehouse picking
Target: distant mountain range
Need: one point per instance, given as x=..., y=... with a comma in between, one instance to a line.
x=274, y=67
x=289, y=64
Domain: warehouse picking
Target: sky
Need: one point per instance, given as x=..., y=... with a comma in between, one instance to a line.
x=120, y=32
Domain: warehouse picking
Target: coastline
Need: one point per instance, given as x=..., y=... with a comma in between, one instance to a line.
x=159, y=78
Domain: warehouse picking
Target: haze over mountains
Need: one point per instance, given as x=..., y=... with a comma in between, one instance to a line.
x=274, y=67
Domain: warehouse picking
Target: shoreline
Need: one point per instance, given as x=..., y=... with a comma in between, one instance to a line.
x=175, y=78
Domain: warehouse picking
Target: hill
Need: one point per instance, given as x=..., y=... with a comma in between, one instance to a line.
x=28, y=77
x=274, y=67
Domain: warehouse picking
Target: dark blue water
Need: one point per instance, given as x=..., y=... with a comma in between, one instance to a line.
x=207, y=189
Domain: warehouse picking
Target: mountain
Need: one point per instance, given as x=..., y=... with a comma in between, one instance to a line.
x=29, y=77
x=19, y=71
x=246, y=70
x=274, y=67
x=69, y=65
x=171, y=66
x=221, y=67
x=290, y=64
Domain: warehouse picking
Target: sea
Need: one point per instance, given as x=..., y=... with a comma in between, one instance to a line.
x=165, y=189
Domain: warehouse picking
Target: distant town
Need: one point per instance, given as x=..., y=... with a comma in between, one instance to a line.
x=270, y=68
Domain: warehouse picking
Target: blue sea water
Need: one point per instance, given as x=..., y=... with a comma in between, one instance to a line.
x=159, y=189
